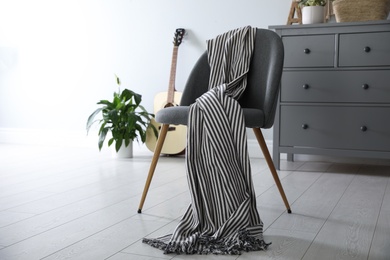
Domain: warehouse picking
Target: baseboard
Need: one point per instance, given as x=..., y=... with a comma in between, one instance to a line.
x=50, y=137
x=254, y=149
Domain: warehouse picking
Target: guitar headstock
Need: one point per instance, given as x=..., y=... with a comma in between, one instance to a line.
x=179, y=35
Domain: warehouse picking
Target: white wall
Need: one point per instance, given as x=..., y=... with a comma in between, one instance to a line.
x=59, y=57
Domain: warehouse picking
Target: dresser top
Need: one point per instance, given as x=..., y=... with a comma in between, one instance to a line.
x=379, y=25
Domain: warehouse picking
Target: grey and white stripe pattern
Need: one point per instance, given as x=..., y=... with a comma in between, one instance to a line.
x=222, y=217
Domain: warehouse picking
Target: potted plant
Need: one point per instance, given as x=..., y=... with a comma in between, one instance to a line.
x=312, y=11
x=124, y=117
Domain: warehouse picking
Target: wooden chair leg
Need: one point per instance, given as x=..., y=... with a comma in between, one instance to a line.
x=263, y=146
x=156, y=156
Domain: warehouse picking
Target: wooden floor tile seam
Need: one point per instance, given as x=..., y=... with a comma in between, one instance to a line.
x=327, y=217
x=65, y=205
x=141, y=181
x=92, y=235
x=377, y=220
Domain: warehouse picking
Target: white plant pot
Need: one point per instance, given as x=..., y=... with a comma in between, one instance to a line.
x=124, y=152
x=312, y=14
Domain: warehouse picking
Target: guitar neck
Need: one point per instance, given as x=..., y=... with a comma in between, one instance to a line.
x=172, y=77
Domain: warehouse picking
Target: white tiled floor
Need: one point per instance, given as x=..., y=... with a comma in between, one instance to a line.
x=76, y=203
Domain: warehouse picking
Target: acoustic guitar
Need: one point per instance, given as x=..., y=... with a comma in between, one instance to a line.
x=175, y=141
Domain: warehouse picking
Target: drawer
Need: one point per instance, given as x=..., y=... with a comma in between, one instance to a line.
x=364, y=49
x=338, y=127
x=309, y=51
x=336, y=86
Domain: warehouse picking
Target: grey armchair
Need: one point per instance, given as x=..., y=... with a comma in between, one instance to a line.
x=258, y=101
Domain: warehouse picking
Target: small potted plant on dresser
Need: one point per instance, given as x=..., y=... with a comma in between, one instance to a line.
x=313, y=11
x=125, y=118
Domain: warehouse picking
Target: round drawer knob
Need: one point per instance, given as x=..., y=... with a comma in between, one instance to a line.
x=367, y=49
x=305, y=126
x=365, y=86
x=305, y=86
x=363, y=128
x=306, y=50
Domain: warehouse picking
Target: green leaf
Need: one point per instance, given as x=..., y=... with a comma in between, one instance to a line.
x=104, y=102
x=127, y=142
x=102, y=137
x=127, y=95
x=113, y=115
x=146, y=116
x=131, y=119
x=141, y=132
x=102, y=126
x=137, y=98
x=155, y=131
x=117, y=101
x=110, y=142
x=91, y=118
x=118, y=144
x=143, y=109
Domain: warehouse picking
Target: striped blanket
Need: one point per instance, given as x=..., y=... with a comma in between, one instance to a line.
x=222, y=217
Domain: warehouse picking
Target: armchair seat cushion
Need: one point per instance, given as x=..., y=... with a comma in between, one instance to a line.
x=179, y=116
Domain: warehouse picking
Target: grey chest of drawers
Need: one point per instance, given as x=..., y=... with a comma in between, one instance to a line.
x=335, y=91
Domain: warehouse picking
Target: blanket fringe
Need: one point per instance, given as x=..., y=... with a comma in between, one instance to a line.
x=207, y=245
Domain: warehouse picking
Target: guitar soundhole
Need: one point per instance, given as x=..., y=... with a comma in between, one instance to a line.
x=171, y=128
x=171, y=105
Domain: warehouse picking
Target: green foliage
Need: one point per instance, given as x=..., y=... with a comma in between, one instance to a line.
x=124, y=117
x=303, y=3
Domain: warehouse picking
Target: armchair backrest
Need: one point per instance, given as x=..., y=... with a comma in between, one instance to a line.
x=263, y=77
